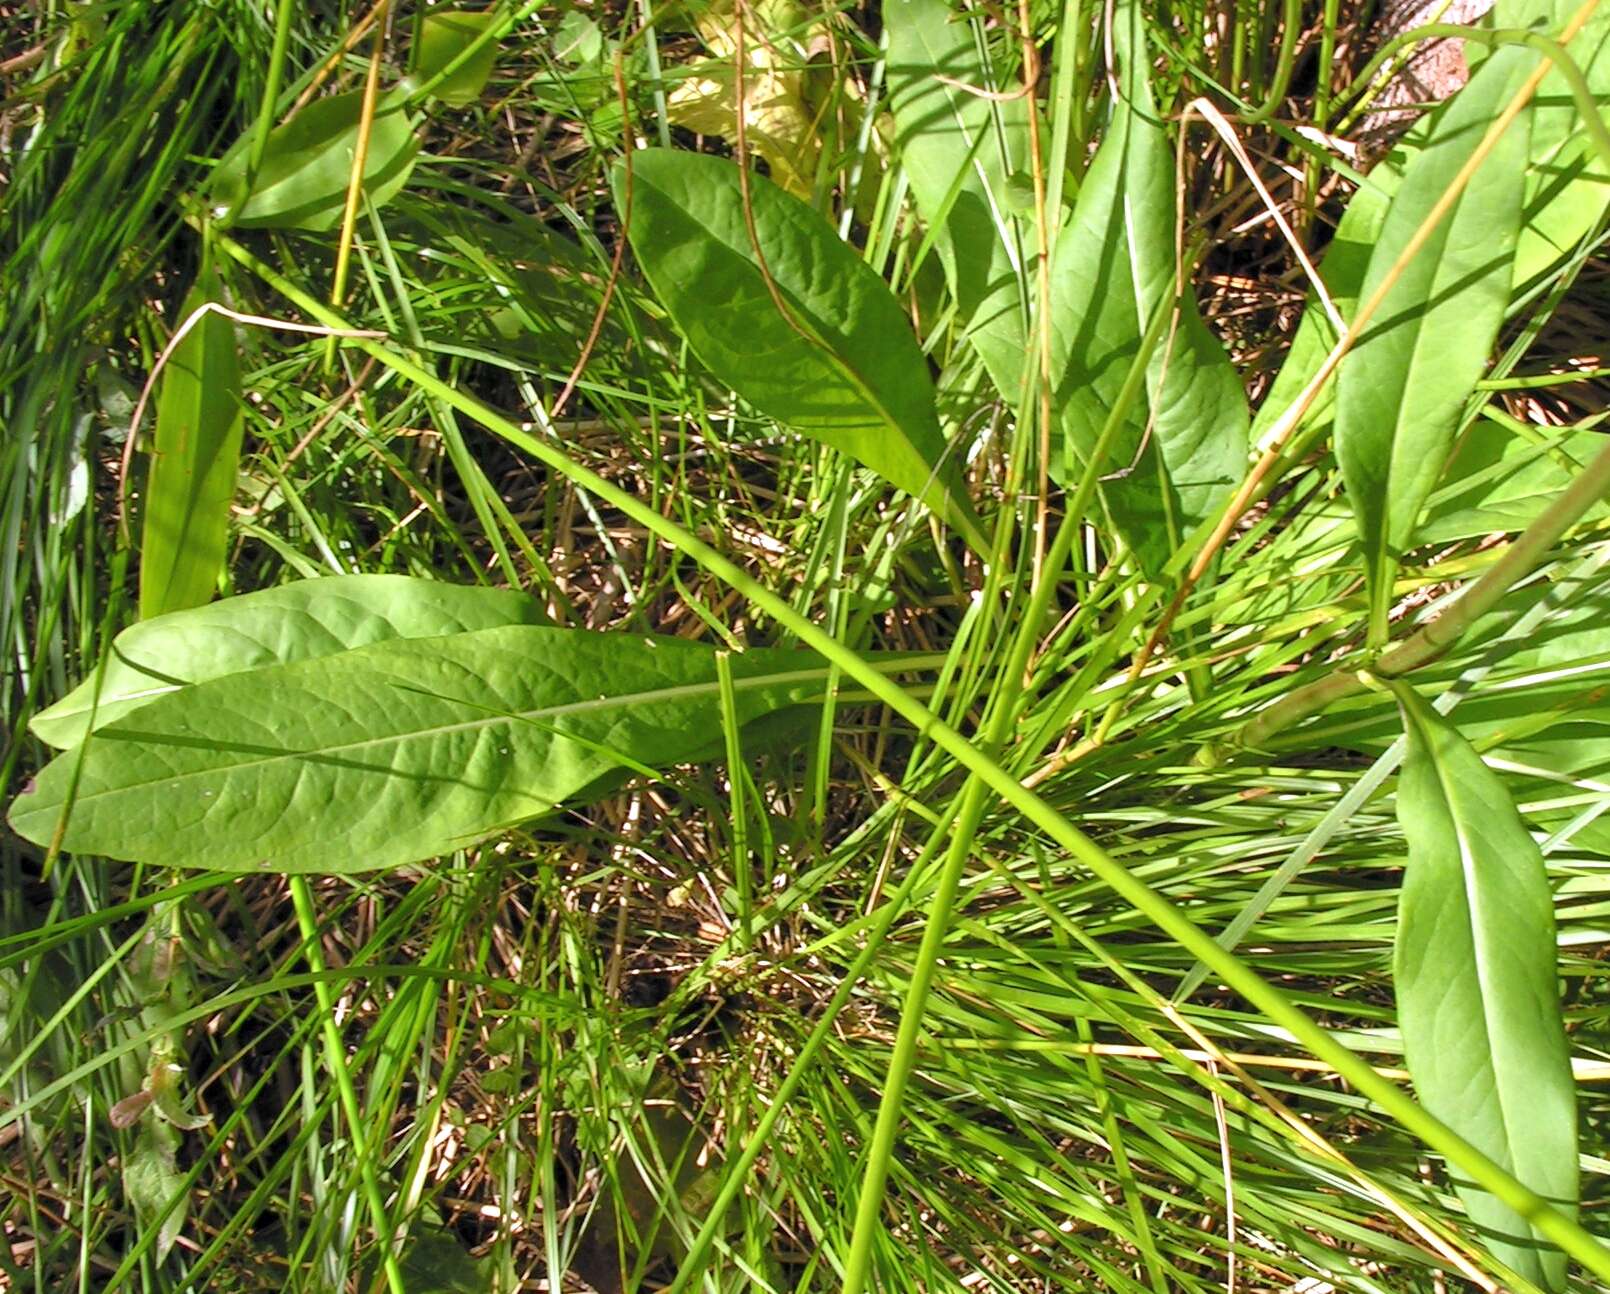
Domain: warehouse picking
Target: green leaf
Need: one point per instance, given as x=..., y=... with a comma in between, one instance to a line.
x=195, y=463
x=1478, y=996
x=300, y=621
x=1183, y=448
x=395, y=752
x=961, y=152
x=302, y=183
x=578, y=40
x=435, y=1263
x=151, y=1180
x=846, y=370
x=1501, y=479
x=444, y=34
x=1568, y=187
x=1401, y=390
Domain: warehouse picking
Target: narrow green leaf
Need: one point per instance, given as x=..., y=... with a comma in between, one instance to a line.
x=195, y=463
x=846, y=370
x=1401, y=390
x=1477, y=988
x=300, y=621
x=303, y=181
x=395, y=752
x=444, y=34
x=961, y=152
x=1185, y=446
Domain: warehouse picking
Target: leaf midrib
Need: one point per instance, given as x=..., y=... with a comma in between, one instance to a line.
x=680, y=692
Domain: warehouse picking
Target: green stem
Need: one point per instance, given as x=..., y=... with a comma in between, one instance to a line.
x=1519, y=560
x=1291, y=25
x=1238, y=976
x=271, y=91
x=335, y=1061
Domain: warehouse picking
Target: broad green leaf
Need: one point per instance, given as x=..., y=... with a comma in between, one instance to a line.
x=444, y=34
x=436, y=1262
x=1402, y=388
x=194, y=464
x=395, y=752
x=298, y=621
x=578, y=40
x=1477, y=988
x=303, y=181
x=961, y=152
x=1184, y=447
x=844, y=369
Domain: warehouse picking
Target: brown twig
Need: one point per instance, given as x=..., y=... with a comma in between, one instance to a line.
x=619, y=255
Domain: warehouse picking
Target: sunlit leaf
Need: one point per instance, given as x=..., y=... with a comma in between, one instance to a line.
x=195, y=462
x=444, y=34
x=303, y=181
x=1180, y=450
x=778, y=122
x=962, y=152
x=843, y=367
x=298, y=621
x=394, y=752
x=1477, y=985
x=1401, y=390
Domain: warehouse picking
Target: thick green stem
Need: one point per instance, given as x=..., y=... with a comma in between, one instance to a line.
x=1518, y=561
x=1240, y=978
x=1291, y=25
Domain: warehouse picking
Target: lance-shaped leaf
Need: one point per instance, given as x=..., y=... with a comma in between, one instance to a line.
x=1401, y=390
x=960, y=151
x=298, y=621
x=395, y=752
x=1179, y=451
x=195, y=462
x=841, y=366
x=302, y=183
x=1477, y=988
